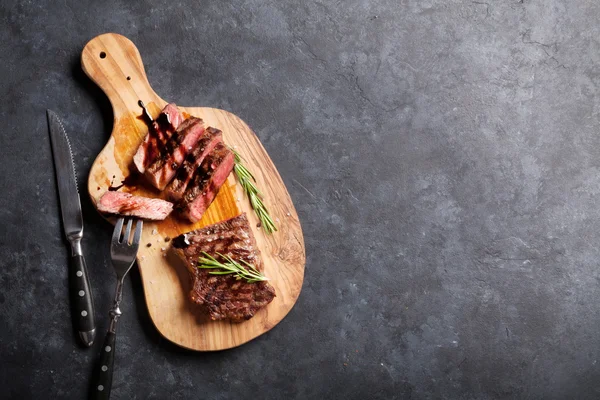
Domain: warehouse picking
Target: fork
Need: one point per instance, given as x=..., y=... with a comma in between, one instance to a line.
x=122, y=254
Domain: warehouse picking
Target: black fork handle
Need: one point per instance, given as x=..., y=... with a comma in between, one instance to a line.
x=103, y=380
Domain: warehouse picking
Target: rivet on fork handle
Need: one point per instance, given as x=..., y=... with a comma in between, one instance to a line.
x=103, y=386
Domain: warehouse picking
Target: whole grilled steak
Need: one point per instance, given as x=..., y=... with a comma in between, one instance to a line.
x=160, y=131
x=127, y=204
x=207, y=142
x=208, y=179
x=179, y=145
x=223, y=296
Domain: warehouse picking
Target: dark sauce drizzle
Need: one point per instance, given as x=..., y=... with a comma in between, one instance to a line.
x=112, y=187
x=130, y=180
x=159, y=145
x=146, y=116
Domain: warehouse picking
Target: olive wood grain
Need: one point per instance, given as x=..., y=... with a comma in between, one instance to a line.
x=115, y=65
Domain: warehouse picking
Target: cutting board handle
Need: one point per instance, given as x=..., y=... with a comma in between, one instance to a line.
x=114, y=63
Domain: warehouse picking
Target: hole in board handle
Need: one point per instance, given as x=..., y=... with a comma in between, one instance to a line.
x=128, y=78
x=102, y=54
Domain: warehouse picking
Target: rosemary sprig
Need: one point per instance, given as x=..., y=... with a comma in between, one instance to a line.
x=230, y=266
x=247, y=181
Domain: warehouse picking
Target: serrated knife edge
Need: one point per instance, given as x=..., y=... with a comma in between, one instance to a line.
x=64, y=132
x=70, y=206
x=66, y=177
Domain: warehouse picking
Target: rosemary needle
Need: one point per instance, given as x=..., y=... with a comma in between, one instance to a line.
x=230, y=266
x=254, y=195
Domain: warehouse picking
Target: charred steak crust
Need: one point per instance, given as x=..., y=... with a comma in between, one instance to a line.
x=223, y=296
x=207, y=142
x=172, y=155
x=208, y=179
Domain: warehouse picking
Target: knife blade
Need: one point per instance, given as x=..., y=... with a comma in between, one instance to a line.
x=82, y=304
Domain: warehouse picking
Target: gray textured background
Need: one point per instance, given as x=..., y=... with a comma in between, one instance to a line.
x=443, y=156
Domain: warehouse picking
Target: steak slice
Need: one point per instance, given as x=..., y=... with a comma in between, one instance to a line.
x=207, y=142
x=208, y=179
x=160, y=131
x=181, y=143
x=127, y=204
x=224, y=296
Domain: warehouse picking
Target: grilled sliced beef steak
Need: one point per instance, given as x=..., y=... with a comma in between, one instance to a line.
x=181, y=143
x=223, y=296
x=127, y=204
x=207, y=181
x=159, y=132
x=207, y=142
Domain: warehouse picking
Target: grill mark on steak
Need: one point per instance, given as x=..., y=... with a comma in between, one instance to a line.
x=223, y=296
x=208, y=179
x=159, y=132
x=207, y=142
x=179, y=145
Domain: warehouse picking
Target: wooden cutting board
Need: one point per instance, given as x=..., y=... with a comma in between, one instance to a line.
x=114, y=63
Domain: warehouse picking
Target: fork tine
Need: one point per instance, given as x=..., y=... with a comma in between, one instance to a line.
x=137, y=235
x=123, y=254
x=117, y=232
x=127, y=231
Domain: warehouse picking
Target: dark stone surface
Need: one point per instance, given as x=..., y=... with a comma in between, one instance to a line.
x=444, y=159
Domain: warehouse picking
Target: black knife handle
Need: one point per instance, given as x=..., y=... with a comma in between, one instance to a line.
x=100, y=389
x=82, y=301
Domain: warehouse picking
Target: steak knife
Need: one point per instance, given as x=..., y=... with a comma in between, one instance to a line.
x=82, y=303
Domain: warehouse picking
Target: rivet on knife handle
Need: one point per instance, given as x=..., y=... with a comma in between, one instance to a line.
x=81, y=300
x=70, y=206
